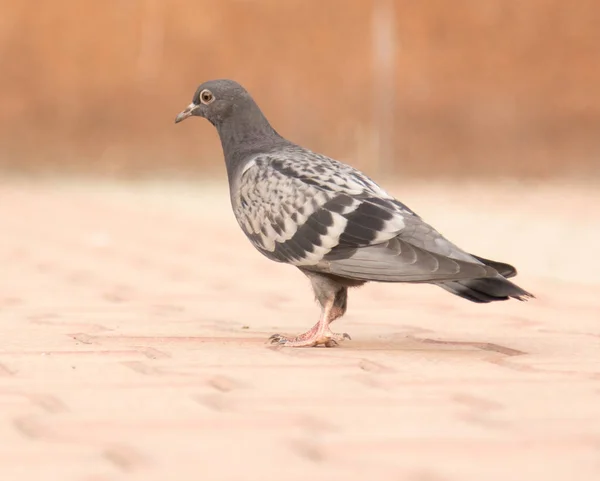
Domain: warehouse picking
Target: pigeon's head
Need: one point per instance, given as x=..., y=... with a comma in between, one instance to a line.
x=216, y=100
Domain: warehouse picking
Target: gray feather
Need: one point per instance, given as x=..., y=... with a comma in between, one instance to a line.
x=399, y=261
x=300, y=216
x=485, y=290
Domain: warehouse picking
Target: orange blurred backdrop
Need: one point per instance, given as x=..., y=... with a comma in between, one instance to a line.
x=407, y=87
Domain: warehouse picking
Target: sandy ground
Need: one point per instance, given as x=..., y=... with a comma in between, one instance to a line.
x=133, y=320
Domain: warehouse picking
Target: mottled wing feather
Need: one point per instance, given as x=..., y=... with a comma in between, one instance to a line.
x=290, y=218
x=316, y=213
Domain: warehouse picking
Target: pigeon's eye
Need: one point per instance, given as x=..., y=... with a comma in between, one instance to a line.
x=206, y=97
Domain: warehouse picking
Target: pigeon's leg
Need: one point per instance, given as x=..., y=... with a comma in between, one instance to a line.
x=333, y=298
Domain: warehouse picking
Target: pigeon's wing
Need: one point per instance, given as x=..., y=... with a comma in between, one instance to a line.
x=397, y=260
x=299, y=214
x=322, y=215
x=505, y=270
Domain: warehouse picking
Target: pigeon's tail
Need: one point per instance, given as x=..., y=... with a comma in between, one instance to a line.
x=488, y=289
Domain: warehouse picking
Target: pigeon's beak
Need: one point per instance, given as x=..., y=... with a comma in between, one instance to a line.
x=189, y=110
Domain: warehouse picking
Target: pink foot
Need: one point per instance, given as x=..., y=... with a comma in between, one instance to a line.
x=314, y=337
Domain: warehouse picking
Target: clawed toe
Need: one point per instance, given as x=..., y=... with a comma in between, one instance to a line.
x=277, y=339
x=329, y=339
x=334, y=339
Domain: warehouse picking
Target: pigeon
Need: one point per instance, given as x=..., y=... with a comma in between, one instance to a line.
x=331, y=221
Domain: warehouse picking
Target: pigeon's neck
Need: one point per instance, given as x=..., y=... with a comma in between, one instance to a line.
x=245, y=134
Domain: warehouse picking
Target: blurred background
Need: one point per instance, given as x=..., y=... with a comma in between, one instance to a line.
x=134, y=312
x=493, y=88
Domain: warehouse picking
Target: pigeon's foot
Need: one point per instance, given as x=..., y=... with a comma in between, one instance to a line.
x=317, y=336
x=320, y=333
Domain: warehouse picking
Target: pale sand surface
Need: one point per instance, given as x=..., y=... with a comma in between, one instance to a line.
x=132, y=327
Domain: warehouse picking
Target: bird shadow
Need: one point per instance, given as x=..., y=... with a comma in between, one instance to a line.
x=411, y=343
